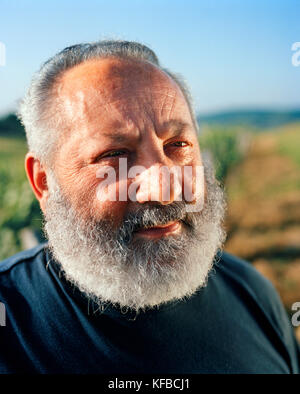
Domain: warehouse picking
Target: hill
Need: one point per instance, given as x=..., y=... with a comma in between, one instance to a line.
x=255, y=119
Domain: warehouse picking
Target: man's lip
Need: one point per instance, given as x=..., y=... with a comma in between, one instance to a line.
x=160, y=230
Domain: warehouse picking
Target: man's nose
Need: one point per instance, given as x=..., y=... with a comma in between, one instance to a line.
x=160, y=183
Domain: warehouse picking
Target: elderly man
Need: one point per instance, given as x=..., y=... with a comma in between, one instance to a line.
x=132, y=279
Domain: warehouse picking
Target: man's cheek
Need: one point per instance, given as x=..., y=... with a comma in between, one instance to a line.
x=80, y=190
x=111, y=211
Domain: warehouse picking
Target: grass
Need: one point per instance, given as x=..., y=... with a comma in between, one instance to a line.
x=18, y=206
x=225, y=145
x=289, y=143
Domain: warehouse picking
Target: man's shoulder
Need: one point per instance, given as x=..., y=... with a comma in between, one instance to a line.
x=24, y=276
x=22, y=261
x=251, y=288
x=241, y=272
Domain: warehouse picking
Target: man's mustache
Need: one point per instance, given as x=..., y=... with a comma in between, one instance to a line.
x=153, y=214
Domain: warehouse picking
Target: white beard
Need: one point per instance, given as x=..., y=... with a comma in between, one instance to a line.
x=141, y=273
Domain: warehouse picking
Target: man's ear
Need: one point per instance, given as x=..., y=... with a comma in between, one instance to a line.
x=37, y=178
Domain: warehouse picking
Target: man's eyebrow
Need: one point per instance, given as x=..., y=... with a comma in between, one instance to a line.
x=175, y=125
x=118, y=137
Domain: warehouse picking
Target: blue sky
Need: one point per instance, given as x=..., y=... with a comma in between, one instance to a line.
x=233, y=53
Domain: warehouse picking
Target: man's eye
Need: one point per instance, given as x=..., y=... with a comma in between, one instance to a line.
x=179, y=144
x=114, y=153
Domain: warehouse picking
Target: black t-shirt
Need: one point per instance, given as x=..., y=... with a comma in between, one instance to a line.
x=236, y=324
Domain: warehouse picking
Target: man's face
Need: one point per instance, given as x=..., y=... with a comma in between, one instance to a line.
x=132, y=253
x=116, y=109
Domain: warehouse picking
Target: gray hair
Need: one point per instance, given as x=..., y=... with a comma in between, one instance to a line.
x=37, y=112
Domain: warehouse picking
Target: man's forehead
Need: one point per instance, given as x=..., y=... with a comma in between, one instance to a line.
x=111, y=76
x=118, y=88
